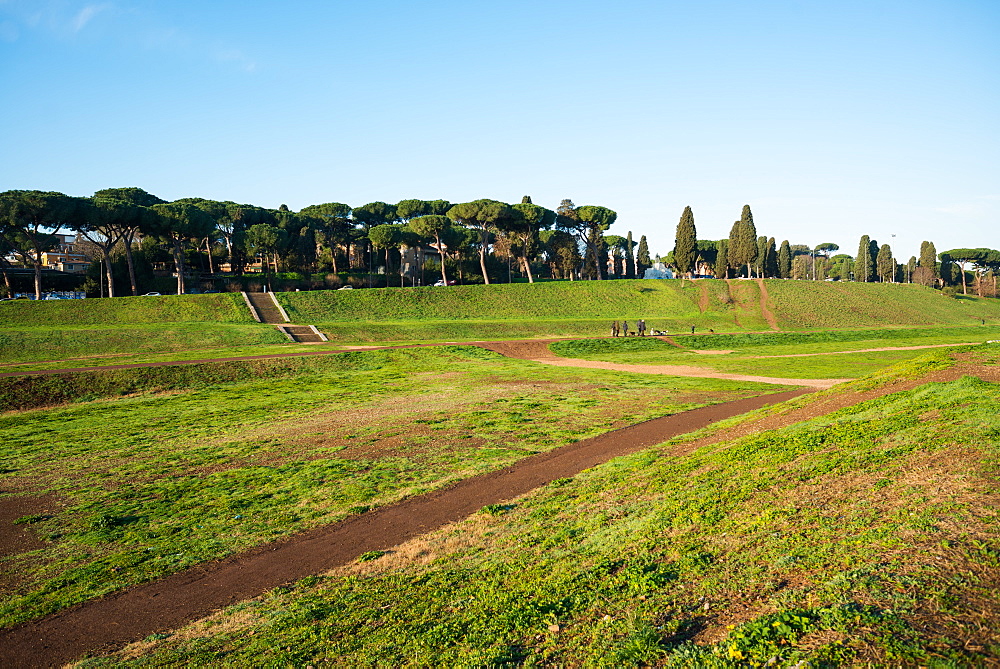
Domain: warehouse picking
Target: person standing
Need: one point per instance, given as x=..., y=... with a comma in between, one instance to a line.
x=614, y=328
x=624, y=328
x=641, y=327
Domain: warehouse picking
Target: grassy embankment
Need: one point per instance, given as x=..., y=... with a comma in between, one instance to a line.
x=126, y=327
x=866, y=536
x=238, y=454
x=560, y=309
x=119, y=330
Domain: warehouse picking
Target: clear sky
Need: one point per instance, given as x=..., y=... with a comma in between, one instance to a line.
x=830, y=119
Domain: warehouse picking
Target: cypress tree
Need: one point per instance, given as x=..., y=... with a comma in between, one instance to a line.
x=733, y=248
x=761, y=256
x=642, y=260
x=928, y=257
x=743, y=242
x=685, y=243
x=722, y=259
x=885, y=264
x=629, y=257
x=785, y=260
x=770, y=259
x=863, y=269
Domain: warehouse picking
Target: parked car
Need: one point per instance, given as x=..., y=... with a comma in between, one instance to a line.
x=153, y=294
x=346, y=288
x=441, y=282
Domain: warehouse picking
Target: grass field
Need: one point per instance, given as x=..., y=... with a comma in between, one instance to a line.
x=229, y=455
x=820, y=354
x=865, y=536
x=142, y=326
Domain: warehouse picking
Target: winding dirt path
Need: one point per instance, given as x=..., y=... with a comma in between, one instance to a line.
x=103, y=625
x=868, y=350
x=537, y=351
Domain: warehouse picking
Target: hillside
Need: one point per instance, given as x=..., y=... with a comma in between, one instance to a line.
x=218, y=308
x=675, y=305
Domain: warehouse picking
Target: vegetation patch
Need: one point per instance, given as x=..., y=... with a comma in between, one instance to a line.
x=237, y=454
x=867, y=536
x=217, y=308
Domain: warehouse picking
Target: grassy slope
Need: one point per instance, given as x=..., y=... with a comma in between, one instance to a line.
x=573, y=308
x=218, y=308
x=236, y=454
x=53, y=330
x=63, y=329
x=866, y=536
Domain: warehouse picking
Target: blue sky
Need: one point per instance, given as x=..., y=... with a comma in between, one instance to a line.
x=831, y=120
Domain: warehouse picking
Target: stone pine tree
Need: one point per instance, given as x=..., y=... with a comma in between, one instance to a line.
x=629, y=257
x=885, y=264
x=642, y=259
x=864, y=267
x=785, y=260
x=722, y=259
x=685, y=244
x=743, y=242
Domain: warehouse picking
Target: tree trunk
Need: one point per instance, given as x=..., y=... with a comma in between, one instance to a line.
x=482, y=255
x=179, y=266
x=37, y=262
x=964, y=289
x=106, y=252
x=527, y=270
x=208, y=250
x=6, y=278
x=127, y=240
x=444, y=276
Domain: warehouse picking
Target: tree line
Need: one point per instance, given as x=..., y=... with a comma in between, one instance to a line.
x=746, y=254
x=570, y=241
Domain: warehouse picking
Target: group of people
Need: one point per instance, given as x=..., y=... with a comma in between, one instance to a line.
x=640, y=328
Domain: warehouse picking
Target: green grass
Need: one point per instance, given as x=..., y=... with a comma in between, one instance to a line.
x=753, y=353
x=225, y=456
x=132, y=341
x=221, y=308
x=867, y=536
x=590, y=306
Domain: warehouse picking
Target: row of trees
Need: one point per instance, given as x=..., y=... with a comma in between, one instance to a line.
x=329, y=235
x=744, y=253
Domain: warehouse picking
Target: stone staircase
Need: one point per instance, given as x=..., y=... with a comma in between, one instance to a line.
x=266, y=309
x=303, y=333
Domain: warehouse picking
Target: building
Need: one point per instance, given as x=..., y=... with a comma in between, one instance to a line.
x=66, y=257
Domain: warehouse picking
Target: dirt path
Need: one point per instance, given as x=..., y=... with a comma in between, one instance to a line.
x=868, y=350
x=768, y=314
x=103, y=625
x=106, y=624
x=538, y=351
x=703, y=298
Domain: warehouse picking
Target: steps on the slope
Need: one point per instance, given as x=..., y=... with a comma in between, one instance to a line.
x=266, y=308
x=303, y=333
